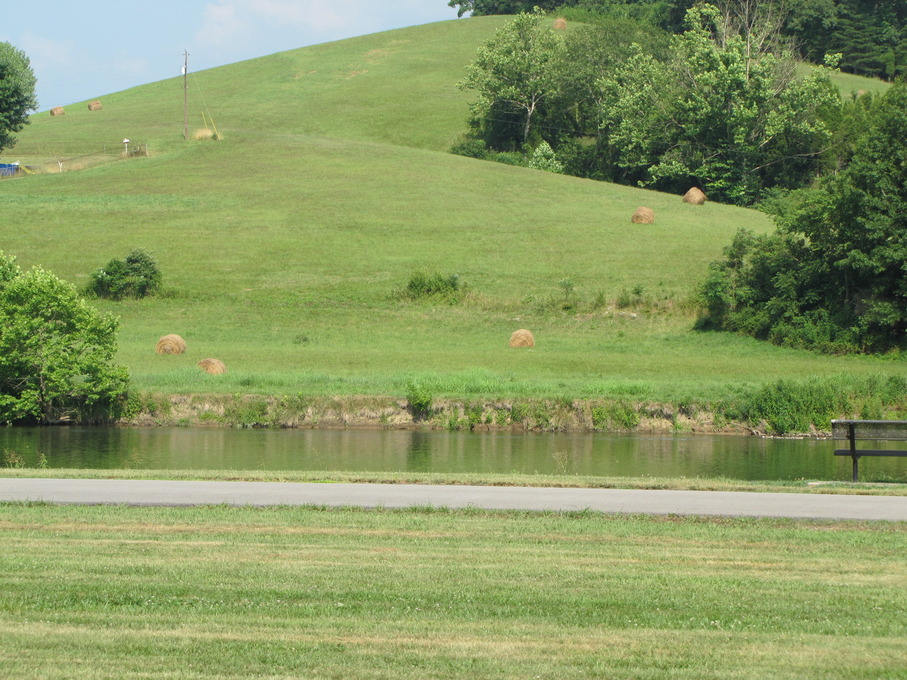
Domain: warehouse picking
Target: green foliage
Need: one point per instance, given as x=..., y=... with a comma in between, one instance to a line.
x=515, y=77
x=787, y=406
x=247, y=412
x=726, y=112
x=617, y=415
x=136, y=276
x=425, y=285
x=492, y=7
x=544, y=158
x=420, y=399
x=833, y=278
x=56, y=353
x=796, y=407
x=17, y=93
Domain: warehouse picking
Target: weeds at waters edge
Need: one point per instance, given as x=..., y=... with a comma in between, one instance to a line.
x=783, y=407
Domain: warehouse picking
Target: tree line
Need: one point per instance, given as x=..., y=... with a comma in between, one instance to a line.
x=870, y=35
x=724, y=105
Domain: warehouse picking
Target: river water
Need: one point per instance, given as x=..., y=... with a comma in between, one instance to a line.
x=672, y=455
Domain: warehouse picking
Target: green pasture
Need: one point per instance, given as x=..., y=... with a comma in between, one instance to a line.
x=218, y=592
x=284, y=244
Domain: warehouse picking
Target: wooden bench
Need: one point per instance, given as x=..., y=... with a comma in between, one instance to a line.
x=875, y=430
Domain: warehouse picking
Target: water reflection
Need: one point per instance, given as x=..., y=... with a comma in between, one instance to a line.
x=681, y=455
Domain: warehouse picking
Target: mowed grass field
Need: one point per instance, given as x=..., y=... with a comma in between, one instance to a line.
x=220, y=592
x=284, y=244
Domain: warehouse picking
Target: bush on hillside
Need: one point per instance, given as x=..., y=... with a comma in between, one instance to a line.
x=424, y=285
x=137, y=276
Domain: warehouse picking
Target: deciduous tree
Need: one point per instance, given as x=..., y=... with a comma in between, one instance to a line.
x=56, y=352
x=514, y=72
x=835, y=275
x=17, y=93
x=728, y=112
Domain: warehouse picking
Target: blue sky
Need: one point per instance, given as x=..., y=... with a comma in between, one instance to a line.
x=82, y=50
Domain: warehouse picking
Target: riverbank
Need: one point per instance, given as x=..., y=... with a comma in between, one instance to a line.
x=537, y=415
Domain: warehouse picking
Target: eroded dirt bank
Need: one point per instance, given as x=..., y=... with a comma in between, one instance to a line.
x=395, y=413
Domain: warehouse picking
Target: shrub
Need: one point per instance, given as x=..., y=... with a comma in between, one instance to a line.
x=420, y=399
x=544, y=158
x=619, y=415
x=137, y=276
x=56, y=352
x=424, y=285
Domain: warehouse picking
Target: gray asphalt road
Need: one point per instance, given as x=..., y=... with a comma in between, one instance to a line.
x=725, y=503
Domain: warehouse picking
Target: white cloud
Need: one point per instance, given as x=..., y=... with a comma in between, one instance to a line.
x=47, y=54
x=133, y=67
x=220, y=25
x=281, y=11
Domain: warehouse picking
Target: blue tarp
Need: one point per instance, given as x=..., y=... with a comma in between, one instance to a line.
x=8, y=169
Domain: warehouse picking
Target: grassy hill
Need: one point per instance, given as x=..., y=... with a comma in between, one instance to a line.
x=283, y=243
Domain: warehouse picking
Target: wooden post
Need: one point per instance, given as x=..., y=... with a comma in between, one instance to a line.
x=185, y=94
x=851, y=431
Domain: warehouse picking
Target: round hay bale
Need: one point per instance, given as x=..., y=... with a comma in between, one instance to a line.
x=171, y=344
x=643, y=215
x=694, y=196
x=560, y=23
x=57, y=111
x=213, y=366
x=203, y=133
x=95, y=106
x=522, y=338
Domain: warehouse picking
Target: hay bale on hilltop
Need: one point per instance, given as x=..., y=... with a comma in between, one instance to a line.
x=171, y=344
x=202, y=134
x=57, y=111
x=643, y=215
x=560, y=23
x=694, y=196
x=522, y=338
x=95, y=106
x=213, y=366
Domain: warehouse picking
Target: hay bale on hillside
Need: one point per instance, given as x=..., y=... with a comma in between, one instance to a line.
x=560, y=23
x=57, y=111
x=522, y=338
x=213, y=366
x=203, y=133
x=95, y=106
x=171, y=344
x=643, y=215
x=694, y=196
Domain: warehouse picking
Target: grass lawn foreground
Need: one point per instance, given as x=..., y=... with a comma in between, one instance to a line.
x=92, y=592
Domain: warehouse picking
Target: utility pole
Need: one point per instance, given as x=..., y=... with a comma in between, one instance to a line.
x=185, y=94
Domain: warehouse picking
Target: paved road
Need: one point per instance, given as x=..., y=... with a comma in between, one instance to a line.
x=726, y=503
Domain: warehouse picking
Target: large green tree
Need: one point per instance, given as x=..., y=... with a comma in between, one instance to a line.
x=834, y=277
x=17, y=93
x=728, y=111
x=515, y=76
x=56, y=352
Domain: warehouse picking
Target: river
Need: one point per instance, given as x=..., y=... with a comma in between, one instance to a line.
x=672, y=455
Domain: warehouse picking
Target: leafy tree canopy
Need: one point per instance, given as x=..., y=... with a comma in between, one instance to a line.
x=56, y=352
x=727, y=112
x=17, y=93
x=515, y=73
x=834, y=277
